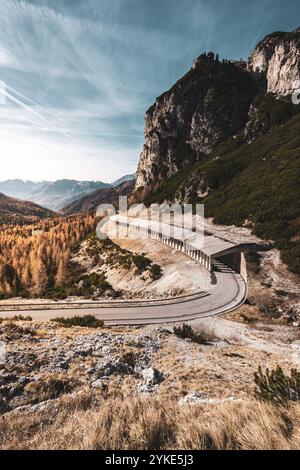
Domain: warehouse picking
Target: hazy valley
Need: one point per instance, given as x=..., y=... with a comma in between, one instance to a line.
x=56, y=194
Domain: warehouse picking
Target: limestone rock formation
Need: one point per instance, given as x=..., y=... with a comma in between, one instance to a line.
x=210, y=103
x=255, y=126
x=214, y=101
x=278, y=58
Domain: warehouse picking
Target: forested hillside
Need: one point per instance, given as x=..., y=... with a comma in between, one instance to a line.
x=16, y=211
x=34, y=259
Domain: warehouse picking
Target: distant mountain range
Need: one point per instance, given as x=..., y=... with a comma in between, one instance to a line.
x=90, y=202
x=59, y=193
x=55, y=195
x=19, y=188
x=15, y=211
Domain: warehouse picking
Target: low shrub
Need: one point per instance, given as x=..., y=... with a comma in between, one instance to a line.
x=86, y=321
x=56, y=293
x=129, y=357
x=276, y=387
x=125, y=261
x=201, y=336
x=141, y=263
x=155, y=271
x=95, y=281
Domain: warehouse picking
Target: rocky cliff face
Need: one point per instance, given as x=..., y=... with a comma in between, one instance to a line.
x=213, y=101
x=278, y=58
x=210, y=103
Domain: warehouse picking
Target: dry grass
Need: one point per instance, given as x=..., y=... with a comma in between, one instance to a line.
x=17, y=318
x=86, y=423
x=251, y=315
x=48, y=388
x=12, y=330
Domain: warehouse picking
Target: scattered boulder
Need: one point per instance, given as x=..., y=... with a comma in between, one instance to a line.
x=152, y=377
x=33, y=408
x=151, y=380
x=119, y=367
x=196, y=398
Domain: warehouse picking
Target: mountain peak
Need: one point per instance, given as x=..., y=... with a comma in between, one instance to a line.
x=277, y=57
x=206, y=57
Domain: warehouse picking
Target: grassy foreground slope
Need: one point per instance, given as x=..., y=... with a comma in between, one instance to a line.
x=257, y=184
x=153, y=424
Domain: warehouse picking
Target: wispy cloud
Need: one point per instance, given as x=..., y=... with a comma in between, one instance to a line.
x=81, y=74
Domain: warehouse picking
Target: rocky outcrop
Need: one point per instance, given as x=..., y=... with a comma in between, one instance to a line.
x=278, y=58
x=210, y=103
x=256, y=126
x=196, y=398
x=105, y=357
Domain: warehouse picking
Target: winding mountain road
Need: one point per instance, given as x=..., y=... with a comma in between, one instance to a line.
x=226, y=294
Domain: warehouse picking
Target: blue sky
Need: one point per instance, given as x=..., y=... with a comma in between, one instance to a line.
x=80, y=74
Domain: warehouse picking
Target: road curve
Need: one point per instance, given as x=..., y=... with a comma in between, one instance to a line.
x=226, y=294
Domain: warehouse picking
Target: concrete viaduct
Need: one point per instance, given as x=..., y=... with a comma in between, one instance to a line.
x=204, y=248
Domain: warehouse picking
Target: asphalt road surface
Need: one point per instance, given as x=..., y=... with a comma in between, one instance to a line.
x=227, y=294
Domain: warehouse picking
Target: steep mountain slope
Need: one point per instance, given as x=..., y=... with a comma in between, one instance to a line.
x=16, y=211
x=257, y=185
x=57, y=194
x=240, y=156
x=206, y=106
x=102, y=196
